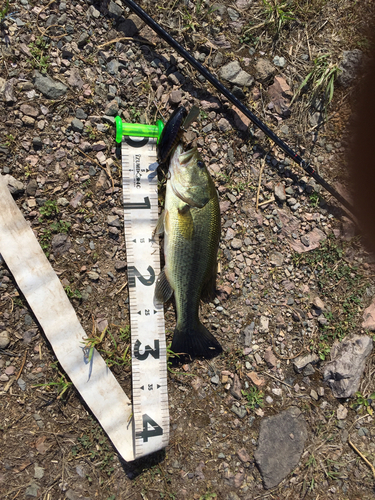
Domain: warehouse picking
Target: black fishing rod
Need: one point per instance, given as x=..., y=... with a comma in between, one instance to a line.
x=215, y=82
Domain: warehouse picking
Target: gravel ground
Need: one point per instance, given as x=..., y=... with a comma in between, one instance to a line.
x=260, y=420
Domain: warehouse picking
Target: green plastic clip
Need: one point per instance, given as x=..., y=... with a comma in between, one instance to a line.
x=137, y=129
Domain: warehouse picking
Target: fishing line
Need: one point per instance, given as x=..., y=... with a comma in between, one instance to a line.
x=221, y=88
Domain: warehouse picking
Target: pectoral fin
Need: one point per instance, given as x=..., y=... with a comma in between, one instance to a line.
x=159, y=229
x=163, y=290
x=185, y=222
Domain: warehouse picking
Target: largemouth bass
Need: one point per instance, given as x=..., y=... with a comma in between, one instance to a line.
x=191, y=221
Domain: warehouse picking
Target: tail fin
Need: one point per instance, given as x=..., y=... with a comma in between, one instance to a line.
x=195, y=342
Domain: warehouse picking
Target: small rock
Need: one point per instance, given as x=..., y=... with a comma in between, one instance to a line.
x=83, y=39
x=241, y=121
x=368, y=322
x=232, y=495
x=175, y=97
x=28, y=121
x=305, y=240
x=277, y=391
x=60, y=244
x=112, y=108
x=236, y=387
x=315, y=237
x=264, y=70
x=302, y=361
x=4, y=339
x=264, y=324
x=243, y=455
x=80, y=114
x=92, y=275
x=114, y=221
x=308, y=370
x=269, y=357
x=236, y=244
x=115, y=9
x=22, y=384
x=279, y=61
x=77, y=125
x=37, y=143
x=215, y=380
x=9, y=94
x=233, y=73
x=120, y=265
x=31, y=187
x=248, y=334
x=362, y=431
x=32, y=490
x=75, y=79
x=62, y=202
x=240, y=411
x=318, y=303
x=48, y=87
x=314, y=394
x=223, y=125
x=9, y=370
x=280, y=192
x=342, y=412
x=276, y=258
x=256, y=379
x=76, y=200
x=28, y=110
x=14, y=186
x=38, y=472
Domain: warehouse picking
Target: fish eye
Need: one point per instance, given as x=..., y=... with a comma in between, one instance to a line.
x=200, y=164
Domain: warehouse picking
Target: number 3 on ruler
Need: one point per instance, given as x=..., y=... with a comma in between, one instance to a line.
x=154, y=430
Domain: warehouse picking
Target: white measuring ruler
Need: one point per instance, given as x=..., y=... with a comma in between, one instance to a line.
x=141, y=428
x=149, y=353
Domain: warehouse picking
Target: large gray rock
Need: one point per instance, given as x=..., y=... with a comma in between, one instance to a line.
x=233, y=73
x=343, y=374
x=280, y=445
x=48, y=87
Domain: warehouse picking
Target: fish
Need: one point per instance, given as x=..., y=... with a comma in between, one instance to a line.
x=191, y=226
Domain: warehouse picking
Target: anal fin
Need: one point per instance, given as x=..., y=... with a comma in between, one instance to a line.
x=163, y=290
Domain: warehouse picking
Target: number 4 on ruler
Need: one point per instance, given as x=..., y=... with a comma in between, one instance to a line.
x=150, y=428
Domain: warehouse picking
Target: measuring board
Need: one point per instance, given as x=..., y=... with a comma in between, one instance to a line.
x=149, y=353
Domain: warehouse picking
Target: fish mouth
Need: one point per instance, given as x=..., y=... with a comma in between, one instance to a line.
x=187, y=156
